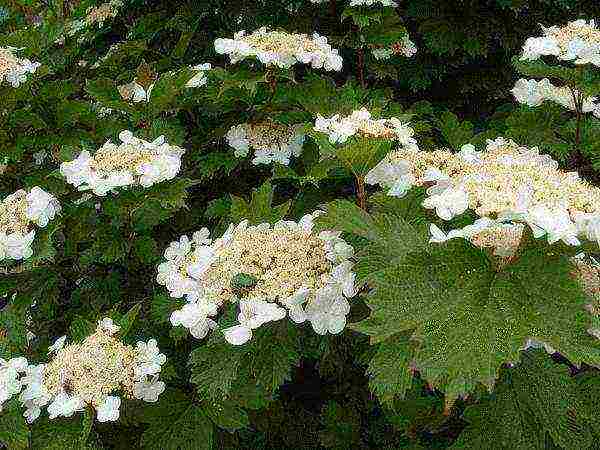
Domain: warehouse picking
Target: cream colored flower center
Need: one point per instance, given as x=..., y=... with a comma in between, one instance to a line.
x=8, y=61
x=97, y=367
x=266, y=135
x=100, y=13
x=571, y=31
x=125, y=157
x=494, y=186
x=281, y=260
x=13, y=214
x=281, y=43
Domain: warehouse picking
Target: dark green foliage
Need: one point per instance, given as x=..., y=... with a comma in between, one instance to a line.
x=423, y=363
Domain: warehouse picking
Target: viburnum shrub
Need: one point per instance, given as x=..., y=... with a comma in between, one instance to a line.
x=231, y=225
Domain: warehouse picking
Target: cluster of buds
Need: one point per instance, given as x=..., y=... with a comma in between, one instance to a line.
x=133, y=162
x=199, y=79
x=19, y=212
x=281, y=49
x=578, y=41
x=404, y=47
x=88, y=374
x=534, y=93
x=270, y=271
x=505, y=183
x=340, y=129
x=14, y=70
x=270, y=141
x=135, y=92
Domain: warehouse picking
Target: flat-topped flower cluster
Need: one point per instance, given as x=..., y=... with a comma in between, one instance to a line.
x=87, y=374
x=96, y=15
x=384, y=3
x=578, y=41
x=271, y=271
x=340, y=129
x=504, y=183
x=534, y=93
x=271, y=142
x=19, y=213
x=133, y=162
x=281, y=49
x=14, y=70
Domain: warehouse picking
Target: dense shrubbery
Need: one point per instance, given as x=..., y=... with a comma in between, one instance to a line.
x=356, y=227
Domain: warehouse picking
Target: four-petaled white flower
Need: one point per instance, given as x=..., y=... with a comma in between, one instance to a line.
x=108, y=325
x=253, y=313
x=109, y=410
x=148, y=391
x=65, y=405
x=327, y=312
x=148, y=359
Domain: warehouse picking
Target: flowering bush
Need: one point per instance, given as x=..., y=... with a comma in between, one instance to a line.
x=261, y=225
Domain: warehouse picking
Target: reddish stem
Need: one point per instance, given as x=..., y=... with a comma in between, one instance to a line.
x=360, y=191
x=361, y=67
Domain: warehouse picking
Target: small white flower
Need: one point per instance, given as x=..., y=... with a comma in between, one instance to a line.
x=41, y=206
x=148, y=391
x=65, y=405
x=108, y=325
x=327, y=312
x=295, y=305
x=109, y=410
x=58, y=344
x=448, y=204
x=238, y=334
x=148, y=359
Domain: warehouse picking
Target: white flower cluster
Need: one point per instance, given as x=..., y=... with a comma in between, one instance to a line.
x=96, y=15
x=268, y=270
x=534, y=93
x=340, y=129
x=199, y=79
x=18, y=213
x=83, y=374
x=133, y=162
x=270, y=141
x=405, y=47
x=578, y=41
x=384, y=3
x=505, y=183
x=11, y=372
x=14, y=70
x=281, y=49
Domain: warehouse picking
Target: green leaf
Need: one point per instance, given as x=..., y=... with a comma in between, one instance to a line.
x=456, y=133
x=14, y=432
x=260, y=208
x=227, y=415
x=274, y=353
x=536, y=398
x=465, y=315
x=176, y=423
x=61, y=433
x=128, y=319
x=342, y=426
x=80, y=328
x=215, y=368
x=105, y=91
x=389, y=370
